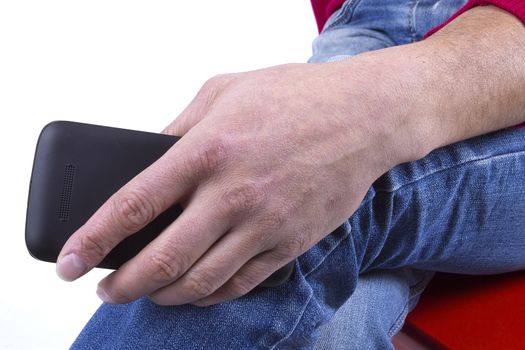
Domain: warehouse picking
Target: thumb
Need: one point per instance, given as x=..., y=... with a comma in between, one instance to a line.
x=199, y=108
x=189, y=117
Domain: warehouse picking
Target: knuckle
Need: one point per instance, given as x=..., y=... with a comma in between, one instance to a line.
x=207, y=95
x=211, y=157
x=165, y=267
x=255, y=241
x=243, y=197
x=292, y=247
x=199, y=285
x=133, y=210
x=333, y=202
x=275, y=218
x=240, y=285
x=159, y=300
x=93, y=246
x=120, y=295
x=217, y=81
x=211, y=89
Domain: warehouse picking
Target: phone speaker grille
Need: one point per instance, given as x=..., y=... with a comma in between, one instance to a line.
x=67, y=191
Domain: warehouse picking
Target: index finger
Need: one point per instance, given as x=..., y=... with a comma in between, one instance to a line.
x=136, y=204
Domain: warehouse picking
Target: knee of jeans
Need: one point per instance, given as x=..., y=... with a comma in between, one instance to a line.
x=376, y=310
x=347, y=41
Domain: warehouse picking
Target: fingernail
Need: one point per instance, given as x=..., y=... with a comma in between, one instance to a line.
x=104, y=296
x=70, y=267
x=199, y=303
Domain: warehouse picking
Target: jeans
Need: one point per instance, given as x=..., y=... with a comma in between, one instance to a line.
x=459, y=209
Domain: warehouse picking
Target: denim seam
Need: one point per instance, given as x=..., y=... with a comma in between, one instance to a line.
x=289, y=334
x=399, y=322
x=445, y=168
x=417, y=287
x=415, y=290
x=335, y=245
x=412, y=19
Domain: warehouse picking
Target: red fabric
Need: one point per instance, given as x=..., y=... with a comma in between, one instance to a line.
x=323, y=9
x=471, y=312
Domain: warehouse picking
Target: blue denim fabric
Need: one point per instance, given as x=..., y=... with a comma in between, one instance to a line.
x=382, y=300
x=367, y=25
x=460, y=209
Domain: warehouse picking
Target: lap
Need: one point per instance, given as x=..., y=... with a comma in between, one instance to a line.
x=459, y=209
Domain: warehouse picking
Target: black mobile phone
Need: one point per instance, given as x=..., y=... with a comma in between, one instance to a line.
x=77, y=167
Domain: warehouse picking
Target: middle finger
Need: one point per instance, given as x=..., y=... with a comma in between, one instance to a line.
x=170, y=255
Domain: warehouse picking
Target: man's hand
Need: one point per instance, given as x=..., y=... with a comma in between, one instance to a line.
x=271, y=161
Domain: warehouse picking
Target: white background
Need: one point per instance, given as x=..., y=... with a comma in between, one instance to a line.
x=131, y=64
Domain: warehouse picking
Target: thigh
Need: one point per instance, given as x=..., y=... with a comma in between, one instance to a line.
x=376, y=310
x=460, y=209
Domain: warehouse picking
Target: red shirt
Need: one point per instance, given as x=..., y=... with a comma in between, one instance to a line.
x=323, y=9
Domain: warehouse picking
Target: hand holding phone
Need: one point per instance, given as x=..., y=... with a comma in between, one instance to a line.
x=78, y=167
x=269, y=164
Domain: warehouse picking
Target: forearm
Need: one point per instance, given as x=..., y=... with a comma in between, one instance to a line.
x=466, y=80
x=479, y=74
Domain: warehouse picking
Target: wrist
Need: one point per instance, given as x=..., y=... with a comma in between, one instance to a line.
x=396, y=101
x=464, y=81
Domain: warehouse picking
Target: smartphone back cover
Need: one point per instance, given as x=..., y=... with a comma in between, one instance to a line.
x=77, y=167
